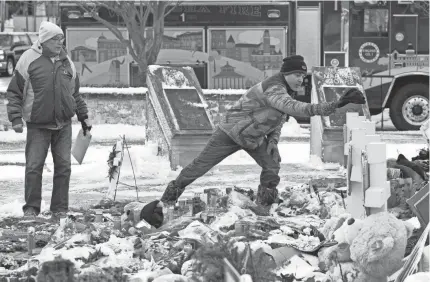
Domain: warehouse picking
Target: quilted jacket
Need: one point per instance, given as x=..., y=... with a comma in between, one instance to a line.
x=261, y=112
x=45, y=93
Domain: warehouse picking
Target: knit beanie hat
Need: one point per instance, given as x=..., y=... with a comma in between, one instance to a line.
x=292, y=64
x=48, y=30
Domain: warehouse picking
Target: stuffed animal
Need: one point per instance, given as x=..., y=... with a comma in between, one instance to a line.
x=338, y=229
x=375, y=246
x=378, y=246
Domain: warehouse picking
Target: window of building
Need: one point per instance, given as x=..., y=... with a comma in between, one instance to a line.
x=369, y=22
x=375, y=21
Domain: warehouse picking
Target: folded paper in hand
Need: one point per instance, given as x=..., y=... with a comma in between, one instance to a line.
x=81, y=145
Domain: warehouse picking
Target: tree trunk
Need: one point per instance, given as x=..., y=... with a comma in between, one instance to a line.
x=141, y=81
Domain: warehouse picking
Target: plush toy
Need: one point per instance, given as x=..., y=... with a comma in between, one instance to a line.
x=341, y=230
x=378, y=246
x=368, y=250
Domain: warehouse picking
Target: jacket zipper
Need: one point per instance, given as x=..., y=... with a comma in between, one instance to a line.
x=55, y=77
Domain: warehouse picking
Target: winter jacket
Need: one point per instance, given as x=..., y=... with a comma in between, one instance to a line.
x=262, y=111
x=44, y=93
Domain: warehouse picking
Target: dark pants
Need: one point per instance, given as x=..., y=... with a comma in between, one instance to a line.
x=220, y=146
x=36, y=150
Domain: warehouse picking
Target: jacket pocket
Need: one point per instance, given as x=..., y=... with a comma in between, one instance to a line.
x=68, y=105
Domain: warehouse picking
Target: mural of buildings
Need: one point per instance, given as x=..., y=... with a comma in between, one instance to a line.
x=262, y=56
x=185, y=41
x=89, y=54
x=410, y=59
x=228, y=78
x=109, y=48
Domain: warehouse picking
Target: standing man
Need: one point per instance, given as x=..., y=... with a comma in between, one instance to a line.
x=44, y=92
x=254, y=123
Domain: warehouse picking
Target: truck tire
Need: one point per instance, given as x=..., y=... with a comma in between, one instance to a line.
x=9, y=67
x=409, y=108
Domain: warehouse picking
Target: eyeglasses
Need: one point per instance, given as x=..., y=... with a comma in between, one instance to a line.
x=58, y=37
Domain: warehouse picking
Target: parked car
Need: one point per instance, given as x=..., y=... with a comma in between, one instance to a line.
x=12, y=46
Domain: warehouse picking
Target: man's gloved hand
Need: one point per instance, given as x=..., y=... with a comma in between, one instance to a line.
x=17, y=125
x=353, y=96
x=272, y=150
x=153, y=213
x=86, y=126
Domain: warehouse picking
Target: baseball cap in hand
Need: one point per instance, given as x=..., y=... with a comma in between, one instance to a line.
x=353, y=96
x=153, y=214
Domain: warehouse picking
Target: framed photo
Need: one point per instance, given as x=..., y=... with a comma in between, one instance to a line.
x=99, y=57
x=239, y=57
x=419, y=204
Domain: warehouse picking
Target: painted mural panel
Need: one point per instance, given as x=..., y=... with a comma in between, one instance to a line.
x=100, y=58
x=240, y=57
x=182, y=46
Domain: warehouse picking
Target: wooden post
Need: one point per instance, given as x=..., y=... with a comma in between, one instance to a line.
x=368, y=188
x=355, y=199
x=379, y=191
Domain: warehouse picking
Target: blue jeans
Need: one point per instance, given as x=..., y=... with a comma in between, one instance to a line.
x=219, y=147
x=36, y=150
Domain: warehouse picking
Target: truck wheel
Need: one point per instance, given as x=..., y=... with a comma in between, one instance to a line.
x=9, y=67
x=409, y=108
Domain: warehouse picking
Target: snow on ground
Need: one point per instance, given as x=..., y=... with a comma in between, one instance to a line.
x=147, y=164
x=99, y=132
x=103, y=132
x=153, y=172
x=140, y=90
x=293, y=129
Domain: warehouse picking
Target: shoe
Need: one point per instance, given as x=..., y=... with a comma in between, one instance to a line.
x=58, y=215
x=266, y=196
x=30, y=212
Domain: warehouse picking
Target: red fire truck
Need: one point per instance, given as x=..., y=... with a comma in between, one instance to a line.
x=233, y=44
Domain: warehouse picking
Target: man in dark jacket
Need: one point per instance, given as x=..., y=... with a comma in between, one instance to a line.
x=44, y=92
x=254, y=123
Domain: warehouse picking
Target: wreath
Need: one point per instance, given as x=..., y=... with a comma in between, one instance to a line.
x=112, y=168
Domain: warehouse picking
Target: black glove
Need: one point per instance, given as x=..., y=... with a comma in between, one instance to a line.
x=153, y=214
x=86, y=126
x=353, y=96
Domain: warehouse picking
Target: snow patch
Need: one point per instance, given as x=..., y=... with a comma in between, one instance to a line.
x=99, y=132
x=14, y=208
x=112, y=90
x=293, y=129
x=174, y=78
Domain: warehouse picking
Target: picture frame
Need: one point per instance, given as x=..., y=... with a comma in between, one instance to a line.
x=419, y=204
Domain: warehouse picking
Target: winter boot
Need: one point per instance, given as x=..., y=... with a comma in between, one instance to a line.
x=266, y=196
x=172, y=193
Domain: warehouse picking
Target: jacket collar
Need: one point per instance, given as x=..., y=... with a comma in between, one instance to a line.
x=289, y=90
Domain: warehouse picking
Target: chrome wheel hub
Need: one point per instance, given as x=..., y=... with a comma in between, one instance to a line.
x=415, y=110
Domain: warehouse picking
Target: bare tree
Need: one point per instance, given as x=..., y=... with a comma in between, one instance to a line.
x=144, y=42
x=422, y=7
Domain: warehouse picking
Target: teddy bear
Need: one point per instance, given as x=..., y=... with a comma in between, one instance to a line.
x=376, y=244
x=338, y=229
